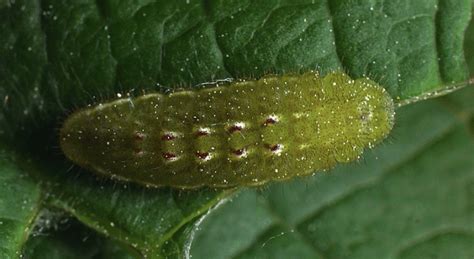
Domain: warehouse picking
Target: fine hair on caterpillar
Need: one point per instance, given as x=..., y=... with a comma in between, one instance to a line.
x=233, y=132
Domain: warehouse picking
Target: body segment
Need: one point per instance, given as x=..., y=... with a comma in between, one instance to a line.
x=243, y=133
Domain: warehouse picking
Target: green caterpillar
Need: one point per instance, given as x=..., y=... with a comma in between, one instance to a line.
x=241, y=133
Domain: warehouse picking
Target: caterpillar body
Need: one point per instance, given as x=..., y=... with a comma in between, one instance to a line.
x=245, y=132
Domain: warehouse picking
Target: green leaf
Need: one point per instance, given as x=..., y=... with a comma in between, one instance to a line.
x=19, y=205
x=83, y=243
x=469, y=47
x=57, y=56
x=146, y=219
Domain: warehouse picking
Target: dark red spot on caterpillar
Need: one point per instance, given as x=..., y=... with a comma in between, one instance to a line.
x=239, y=152
x=202, y=155
x=270, y=120
x=201, y=133
x=139, y=135
x=275, y=148
x=235, y=128
x=168, y=137
x=169, y=156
